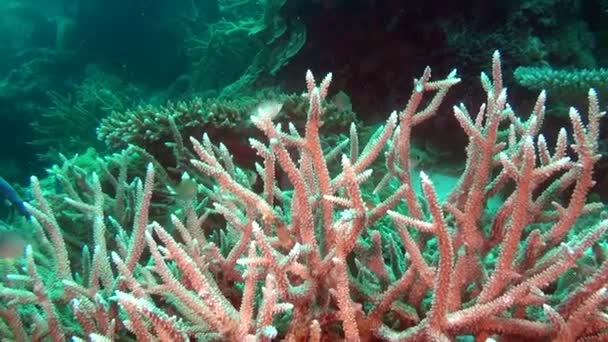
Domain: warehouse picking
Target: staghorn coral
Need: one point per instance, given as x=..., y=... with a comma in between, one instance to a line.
x=307, y=259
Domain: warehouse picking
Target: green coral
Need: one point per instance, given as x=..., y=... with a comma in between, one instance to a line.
x=563, y=81
x=568, y=86
x=163, y=130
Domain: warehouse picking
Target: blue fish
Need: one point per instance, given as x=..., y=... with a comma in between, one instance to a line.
x=9, y=192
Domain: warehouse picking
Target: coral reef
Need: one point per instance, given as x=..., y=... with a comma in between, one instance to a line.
x=329, y=244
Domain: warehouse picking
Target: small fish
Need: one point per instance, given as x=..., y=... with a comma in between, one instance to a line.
x=12, y=246
x=342, y=101
x=420, y=158
x=186, y=190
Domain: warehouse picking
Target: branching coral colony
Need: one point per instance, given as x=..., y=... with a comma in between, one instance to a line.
x=314, y=259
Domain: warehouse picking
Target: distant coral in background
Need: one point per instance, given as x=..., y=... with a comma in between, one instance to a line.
x=531, y=31
x=70, y=121
x=329, y=244
x=256, y=37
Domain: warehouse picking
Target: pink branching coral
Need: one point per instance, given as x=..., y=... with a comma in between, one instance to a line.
x=309, y=257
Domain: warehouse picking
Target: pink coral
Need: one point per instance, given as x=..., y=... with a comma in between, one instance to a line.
x=315, y=261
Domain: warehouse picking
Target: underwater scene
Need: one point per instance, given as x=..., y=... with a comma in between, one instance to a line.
x=303, y=170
